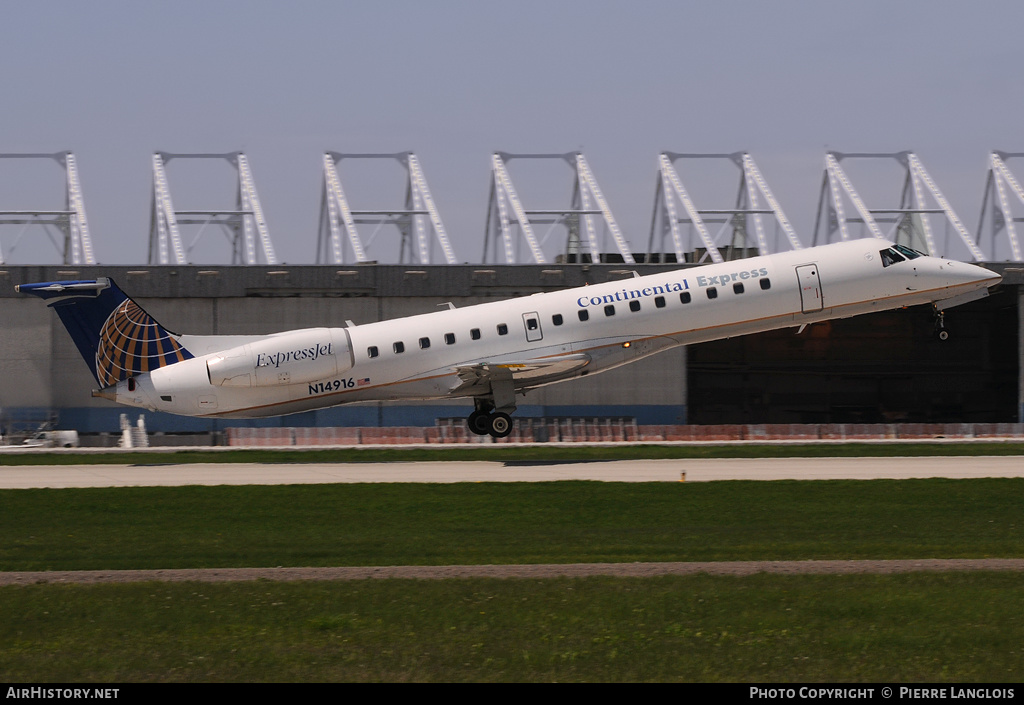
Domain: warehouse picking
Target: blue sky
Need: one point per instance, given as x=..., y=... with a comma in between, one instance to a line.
x=455, y=81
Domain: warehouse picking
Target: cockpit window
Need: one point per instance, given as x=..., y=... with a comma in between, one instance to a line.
x=890, y=256
x=908, y=252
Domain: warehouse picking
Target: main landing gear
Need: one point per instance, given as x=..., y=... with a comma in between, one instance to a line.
x=486, y=421
x=491, y=414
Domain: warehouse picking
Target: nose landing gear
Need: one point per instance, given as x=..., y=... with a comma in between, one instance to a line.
x=940, y=326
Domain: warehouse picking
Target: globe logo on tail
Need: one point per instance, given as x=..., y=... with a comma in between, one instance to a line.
x=131, y=342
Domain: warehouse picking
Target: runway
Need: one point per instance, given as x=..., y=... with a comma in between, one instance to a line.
x=697, y=470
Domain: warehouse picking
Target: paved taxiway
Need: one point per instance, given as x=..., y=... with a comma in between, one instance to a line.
x=703, y=470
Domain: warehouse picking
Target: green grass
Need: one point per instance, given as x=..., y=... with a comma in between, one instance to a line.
x=476, y=523
x=927, y=628
x=512, y=452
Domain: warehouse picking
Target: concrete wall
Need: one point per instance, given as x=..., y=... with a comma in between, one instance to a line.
x=27, y=355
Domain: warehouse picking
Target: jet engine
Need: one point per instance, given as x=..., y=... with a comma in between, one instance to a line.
x=295, y=357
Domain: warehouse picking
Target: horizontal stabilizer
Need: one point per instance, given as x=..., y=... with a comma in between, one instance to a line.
x=50, y=290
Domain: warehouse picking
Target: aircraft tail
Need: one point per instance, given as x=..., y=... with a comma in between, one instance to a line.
x=115, y=336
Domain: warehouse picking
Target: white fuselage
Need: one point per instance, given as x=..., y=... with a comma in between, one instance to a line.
x=541, y=339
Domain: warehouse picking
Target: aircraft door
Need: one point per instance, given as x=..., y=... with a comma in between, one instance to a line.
x=531, y=321
x=810, y=288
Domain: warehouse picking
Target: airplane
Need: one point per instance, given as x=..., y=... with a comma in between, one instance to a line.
x=491, y=352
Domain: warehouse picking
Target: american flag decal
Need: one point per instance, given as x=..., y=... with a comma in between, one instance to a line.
x=364, y=380
x=131, y=342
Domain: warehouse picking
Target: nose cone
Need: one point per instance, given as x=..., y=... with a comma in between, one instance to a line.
x=961, y=274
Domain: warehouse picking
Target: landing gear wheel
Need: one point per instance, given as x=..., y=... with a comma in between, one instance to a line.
x=940, y=326
x=500, y=424
x=479, y=423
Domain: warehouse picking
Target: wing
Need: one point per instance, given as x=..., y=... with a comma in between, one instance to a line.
x=522, y=373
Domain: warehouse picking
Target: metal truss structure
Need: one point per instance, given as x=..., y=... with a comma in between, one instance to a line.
x=997, y=204
x=75, y=246
x=674, y=207
x=338, y=221
x=506, y=215
x=244, y=225
x=909, y=223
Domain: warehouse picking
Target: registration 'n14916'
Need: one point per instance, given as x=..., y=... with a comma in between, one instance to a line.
x=333, y=385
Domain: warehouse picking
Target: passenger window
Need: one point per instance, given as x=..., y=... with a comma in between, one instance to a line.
x=557, y=319
x=424, y=343
x=502, y=329
x=475, y=334
x=766, y=284
x=659, y=302
x=684, y=297
x=712, y=292
x=399, y=347
x=609, y=310
x=372, y=351
x=634, y=305
x=737, y=288
x=584, y=314
x=449, y=339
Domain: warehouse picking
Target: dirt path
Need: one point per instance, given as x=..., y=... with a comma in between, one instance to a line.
x=550, y=570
